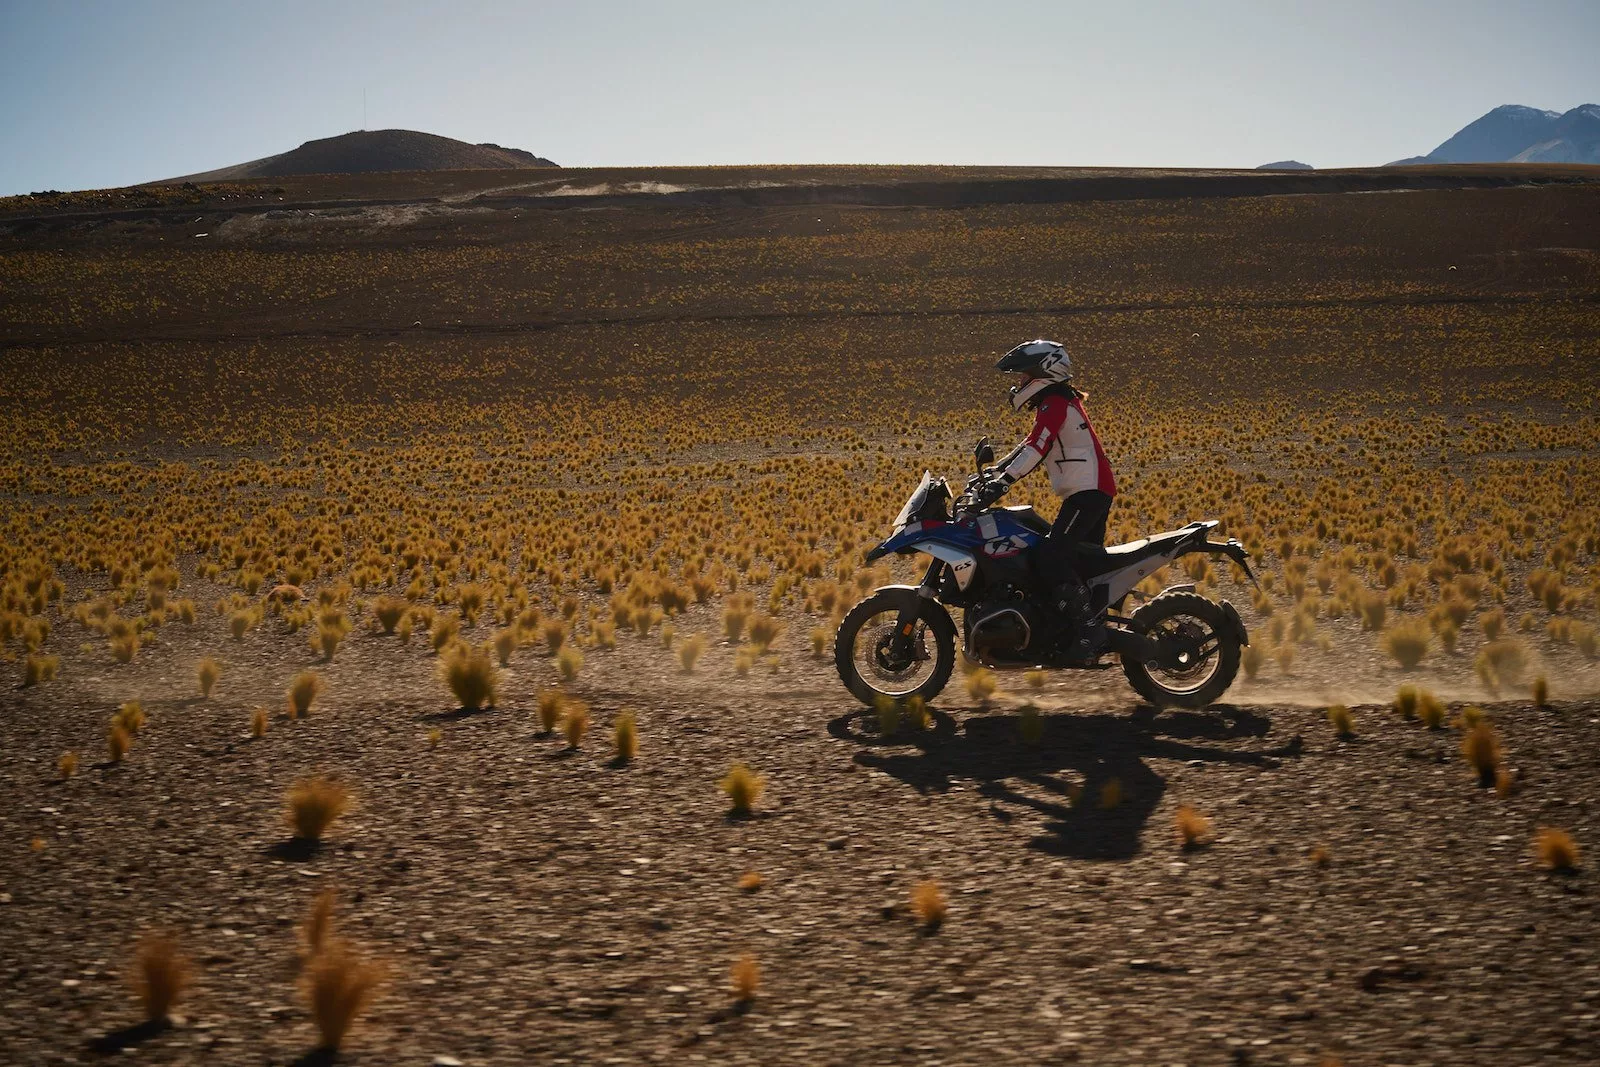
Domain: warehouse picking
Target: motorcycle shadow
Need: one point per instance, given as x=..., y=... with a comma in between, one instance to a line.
x=1085, y=773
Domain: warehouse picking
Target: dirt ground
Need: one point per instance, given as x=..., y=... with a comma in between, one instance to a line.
x=693, y=383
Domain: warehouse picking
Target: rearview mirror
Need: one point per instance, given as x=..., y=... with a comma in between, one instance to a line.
x=983, y=453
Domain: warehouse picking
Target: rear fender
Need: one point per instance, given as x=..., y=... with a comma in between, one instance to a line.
x=1232, y=614
x=1233, y=550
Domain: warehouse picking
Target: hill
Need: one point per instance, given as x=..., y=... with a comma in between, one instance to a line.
x=376, y=151
x=1513, y=133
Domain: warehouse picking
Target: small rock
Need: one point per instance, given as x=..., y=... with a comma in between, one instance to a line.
x=836, y=843
x=447, y=1061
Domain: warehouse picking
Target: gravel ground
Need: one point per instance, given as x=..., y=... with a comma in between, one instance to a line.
x=532, y=903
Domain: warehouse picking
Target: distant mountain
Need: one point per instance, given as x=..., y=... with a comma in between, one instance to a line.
x=371, y=151
x=1516, y=134
x=1286, y=164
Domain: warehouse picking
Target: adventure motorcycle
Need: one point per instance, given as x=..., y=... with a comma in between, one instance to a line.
x=1179, y=648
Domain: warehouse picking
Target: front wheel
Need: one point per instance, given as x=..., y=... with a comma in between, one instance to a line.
x=1199, y=646
x=871, y=666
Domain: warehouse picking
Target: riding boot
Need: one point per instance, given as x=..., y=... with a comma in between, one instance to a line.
x=1084, y=640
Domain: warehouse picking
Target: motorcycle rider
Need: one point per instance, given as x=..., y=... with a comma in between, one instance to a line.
x=1065, y=442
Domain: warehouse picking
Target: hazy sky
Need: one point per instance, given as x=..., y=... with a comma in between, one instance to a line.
x=112, y=93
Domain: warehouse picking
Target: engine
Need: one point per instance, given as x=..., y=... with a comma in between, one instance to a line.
x=1007, y=630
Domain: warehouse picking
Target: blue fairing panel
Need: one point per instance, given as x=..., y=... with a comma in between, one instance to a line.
x=992, y=533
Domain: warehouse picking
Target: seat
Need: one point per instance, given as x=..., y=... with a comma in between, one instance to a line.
x=1092, y=560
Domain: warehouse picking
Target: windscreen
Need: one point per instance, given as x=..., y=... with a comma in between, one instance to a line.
x=915, y=503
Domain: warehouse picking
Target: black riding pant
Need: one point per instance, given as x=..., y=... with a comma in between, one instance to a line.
x=1081, y=521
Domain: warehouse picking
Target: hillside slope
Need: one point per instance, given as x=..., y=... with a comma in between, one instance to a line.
x=376, y=151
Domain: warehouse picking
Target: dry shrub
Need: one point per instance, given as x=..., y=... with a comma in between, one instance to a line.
x=689, y=650
x=819, y=641
x=734, y=617
x=550, y=701
x=1586, y=638
x=1343, y=723
x=574, y=722
x=928, y=904
x=1555, y=850
x=1111, y=794
x=339, y=986
x=1193, y=827
x=1502, y=662
x=130, y=717
x=981, y=685
x=258, y=723
x=1480, y=746
x=443, y=632
x=1406, y=701
x=505, y=643
x=1321, y=857
x=208, y=672
x=750, y=881
x=1541, y=691
x=471, y=676
x=1430, y=709
x=161, y=974
x=314, y=804
x=625, y=734
x=117, y=743
x=743, y=787
x=37, y=669
x=239, y=623
x=888, y=709
x=743, y=660
x=554, y=632
x=1035, y=679
x=1492, y=623
x=67, y=765
x=764, y=631
x=303, y=692
x=1285, y=657
x=471, y=602
x=317, y=931
x=1030, y=724
x=569, y=661
x=1407, y=643
x=746, y=978
x=389, y=610
x=1253, y=659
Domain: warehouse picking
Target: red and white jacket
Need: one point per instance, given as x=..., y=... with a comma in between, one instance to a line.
x=1063, y=440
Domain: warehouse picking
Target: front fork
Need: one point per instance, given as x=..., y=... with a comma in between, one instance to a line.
x=906, y=622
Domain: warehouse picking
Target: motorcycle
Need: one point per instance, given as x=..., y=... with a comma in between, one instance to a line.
x=1177, y=649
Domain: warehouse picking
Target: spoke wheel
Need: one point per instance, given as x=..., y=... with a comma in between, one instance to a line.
x=1201, y=651
x=873, y=664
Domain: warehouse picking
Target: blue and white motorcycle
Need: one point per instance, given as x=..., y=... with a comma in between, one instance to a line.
x=1179, y=648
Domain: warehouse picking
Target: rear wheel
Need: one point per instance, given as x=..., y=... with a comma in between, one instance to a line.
x=870, y=663
x=1200, y=651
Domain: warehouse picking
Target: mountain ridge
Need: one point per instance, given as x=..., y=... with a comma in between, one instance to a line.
x=375, y=151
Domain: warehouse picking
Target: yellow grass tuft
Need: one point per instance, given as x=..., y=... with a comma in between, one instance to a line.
x=928, y=904
x=1430, y=709
x=569, y=661
x=819, y=641
x=339, y=986
x=1406, y=701
x=1343, y=723
x=317, y=931
x=442, y=633
x=161, y=975
x=888, y=710
x=981, y=685
x=743, y=787
x=67, y=765
x=1407, y=642
x=208, y=672
x=258, y=722
x=389, y=611
x=1321, y=857
x=471, y=677
x=1193, y=827
x=303, y=692
x=689, y=650
x=37, y=669
x=1480, y=746
x=1111, y=794
x=1030, y=724
x=574, y=722
x=505, y=643
x=117, y=742
x=1541, y=691
x=1253, y=659
x=625, y=735
x=1501, y=663
x=750, y=881
x=550, y=701
x=314, y=804
x=745, y=976
x=1035, y=679
x=1555, y=850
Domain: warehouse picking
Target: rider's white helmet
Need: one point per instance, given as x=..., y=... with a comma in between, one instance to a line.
x=1047, y=361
